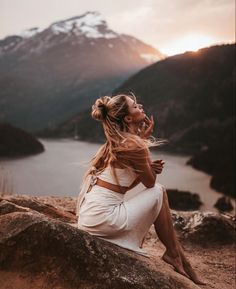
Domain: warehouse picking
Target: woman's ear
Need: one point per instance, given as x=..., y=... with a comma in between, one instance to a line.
x=128, y=119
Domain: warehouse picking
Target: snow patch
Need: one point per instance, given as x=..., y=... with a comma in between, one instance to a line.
x=93, y=32
x=87, y=24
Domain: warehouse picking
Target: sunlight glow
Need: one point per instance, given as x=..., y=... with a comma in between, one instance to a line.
x=188, y=43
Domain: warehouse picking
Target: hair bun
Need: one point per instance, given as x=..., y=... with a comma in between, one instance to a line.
x=100, y=108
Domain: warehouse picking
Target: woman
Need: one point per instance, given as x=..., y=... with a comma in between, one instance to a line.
x=104, y=208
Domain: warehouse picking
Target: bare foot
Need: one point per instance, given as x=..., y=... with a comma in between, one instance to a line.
x=189, y=269
x=192, y=274
x=176, y=262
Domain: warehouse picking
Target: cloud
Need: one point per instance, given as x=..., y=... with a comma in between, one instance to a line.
x=162, y=22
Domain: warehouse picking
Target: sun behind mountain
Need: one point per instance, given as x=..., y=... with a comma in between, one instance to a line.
x=191, y=42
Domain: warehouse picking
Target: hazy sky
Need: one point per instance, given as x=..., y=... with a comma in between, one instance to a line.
x=172, y=26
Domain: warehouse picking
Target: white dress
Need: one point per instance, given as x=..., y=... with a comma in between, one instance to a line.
x=123, y=219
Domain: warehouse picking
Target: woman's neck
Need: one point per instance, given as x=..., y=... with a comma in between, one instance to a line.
x=133, y=128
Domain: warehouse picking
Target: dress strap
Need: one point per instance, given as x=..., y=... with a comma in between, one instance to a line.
x=90, y=180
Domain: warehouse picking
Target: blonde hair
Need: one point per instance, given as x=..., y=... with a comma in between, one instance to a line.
x=120, y=145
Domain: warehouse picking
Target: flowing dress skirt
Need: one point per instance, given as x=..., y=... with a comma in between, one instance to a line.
x=121, y=219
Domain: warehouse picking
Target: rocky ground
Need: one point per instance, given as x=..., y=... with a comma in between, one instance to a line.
x=40, y=247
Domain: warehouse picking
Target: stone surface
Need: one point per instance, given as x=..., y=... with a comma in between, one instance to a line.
x=31, y=243
x=33, y=204
x=40, y=248
x=205, y=228
x=8, y=207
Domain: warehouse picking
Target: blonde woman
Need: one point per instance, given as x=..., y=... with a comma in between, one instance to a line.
x=104, y=209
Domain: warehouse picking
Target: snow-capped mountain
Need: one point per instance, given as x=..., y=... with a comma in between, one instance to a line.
x=56, y=72
x=92, y=25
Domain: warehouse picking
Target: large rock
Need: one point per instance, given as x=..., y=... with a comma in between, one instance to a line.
x=20, y=203
x=195, y=227
x=8, y=207
x=40, y=249
x=31, y=243
x=223, y=204
x=205, y=228
x=183, y=200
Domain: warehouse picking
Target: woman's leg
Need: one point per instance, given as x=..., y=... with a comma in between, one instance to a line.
x=174, y=254
x=165, y=231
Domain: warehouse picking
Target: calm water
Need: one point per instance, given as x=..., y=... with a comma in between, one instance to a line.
x=59, y=171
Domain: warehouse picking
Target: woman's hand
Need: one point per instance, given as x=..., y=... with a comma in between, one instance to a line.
x=157, y=166
x=146, y=128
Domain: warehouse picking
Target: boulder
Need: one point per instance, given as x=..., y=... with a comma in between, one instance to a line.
x=183, y=200
x=33, y=204
x=41, y=247
x=224, y=204
x=35, y=245
x=205, y=228
x=8, y=207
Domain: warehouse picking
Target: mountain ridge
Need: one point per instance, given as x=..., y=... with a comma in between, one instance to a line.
x=192, y=99
x=53, y=76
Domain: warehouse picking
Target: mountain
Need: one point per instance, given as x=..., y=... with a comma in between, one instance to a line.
x=185, y=93
x=192, y=99
x=49, y=75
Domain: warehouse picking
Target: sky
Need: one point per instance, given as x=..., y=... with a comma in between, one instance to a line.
x=172, y=26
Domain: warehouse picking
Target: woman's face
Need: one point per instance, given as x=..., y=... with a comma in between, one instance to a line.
x=136, y=112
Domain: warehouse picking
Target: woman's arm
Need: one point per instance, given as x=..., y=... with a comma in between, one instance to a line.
x=157, y=167
x=141, y=164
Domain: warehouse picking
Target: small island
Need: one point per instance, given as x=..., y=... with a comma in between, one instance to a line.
x=15, y=142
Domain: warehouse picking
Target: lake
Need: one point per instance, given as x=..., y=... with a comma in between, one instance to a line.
x=59, y=172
